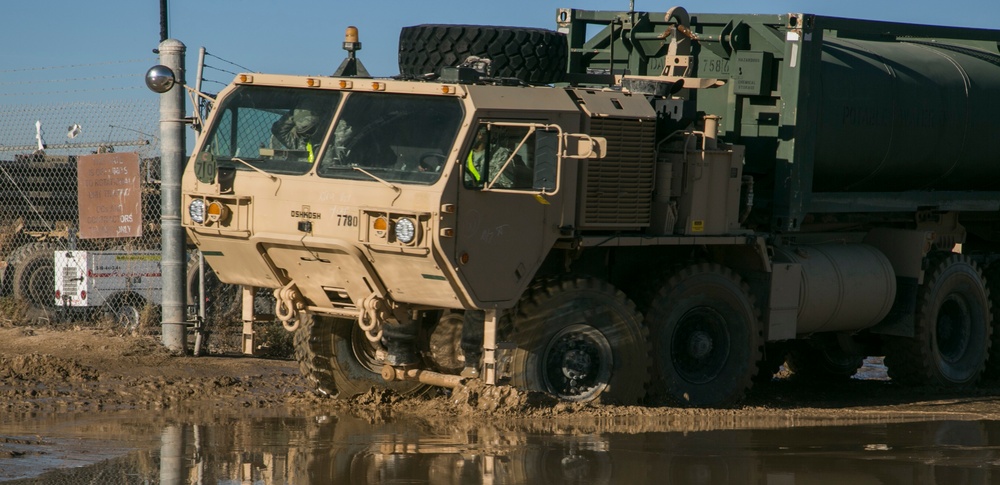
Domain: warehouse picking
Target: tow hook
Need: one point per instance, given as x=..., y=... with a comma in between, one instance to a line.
x=390, y=373
x=289, y=303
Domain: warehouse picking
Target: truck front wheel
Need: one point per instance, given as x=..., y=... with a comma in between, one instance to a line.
x=580, y=339
x=707, y=336
x=337, y=358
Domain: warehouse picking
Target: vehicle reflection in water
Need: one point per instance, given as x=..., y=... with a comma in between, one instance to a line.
x=353, y=450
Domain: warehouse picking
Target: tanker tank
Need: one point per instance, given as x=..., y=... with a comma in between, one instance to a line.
x=906, y=115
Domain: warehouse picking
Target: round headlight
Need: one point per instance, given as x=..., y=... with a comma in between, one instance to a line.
x=197, y=211
x=405, y=230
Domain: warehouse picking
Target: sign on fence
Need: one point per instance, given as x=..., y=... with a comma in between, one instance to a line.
x=110, y=195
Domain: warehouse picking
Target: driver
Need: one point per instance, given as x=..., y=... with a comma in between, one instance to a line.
x=301, y=129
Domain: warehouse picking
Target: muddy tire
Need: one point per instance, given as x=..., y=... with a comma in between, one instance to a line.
x=580, y=339
x=443, y=344
x=33, y=279
x=707, y=337
x=534, y=56
x=338, y=360
x=822, y=359
x=953, y=328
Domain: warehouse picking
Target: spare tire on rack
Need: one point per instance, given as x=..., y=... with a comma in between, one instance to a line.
x=534, y=56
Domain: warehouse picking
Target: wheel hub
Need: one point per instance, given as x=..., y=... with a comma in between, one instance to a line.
x=577, y=363
x=700, y=344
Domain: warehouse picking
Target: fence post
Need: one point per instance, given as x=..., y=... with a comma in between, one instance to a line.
x=172, y=148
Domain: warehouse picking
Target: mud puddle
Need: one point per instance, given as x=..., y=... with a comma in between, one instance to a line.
x=150, y=448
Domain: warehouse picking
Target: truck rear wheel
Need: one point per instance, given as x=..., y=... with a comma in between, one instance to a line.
x=953, y=328
x=534, y=56
x=580, y=339
x=337, y=358
x=707, y=336
x=33, y=280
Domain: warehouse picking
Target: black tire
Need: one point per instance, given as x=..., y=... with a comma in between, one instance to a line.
x=953, y=328
x=338, y=360
x=223, y=302
x=707, y=336
x=33, y=280
x=443, y=344
x=534, y=56
x=590, y=320
x=992, y=275
x=821, y=358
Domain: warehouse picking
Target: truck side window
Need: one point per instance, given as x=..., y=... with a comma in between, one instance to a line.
x=510, y=154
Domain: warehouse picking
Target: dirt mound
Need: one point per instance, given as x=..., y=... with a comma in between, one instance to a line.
x=45, y=368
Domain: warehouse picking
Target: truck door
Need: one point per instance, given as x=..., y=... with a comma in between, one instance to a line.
x=507, y=208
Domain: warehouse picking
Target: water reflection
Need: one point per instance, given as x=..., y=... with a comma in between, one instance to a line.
x=348, y=449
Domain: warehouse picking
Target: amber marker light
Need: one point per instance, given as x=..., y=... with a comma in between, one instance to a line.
x=464, y=258
x=246, y=78
x=346, y=85
x=380, y=226
x=216, y=211
x=312, y=82
x=378, y=86
x=448, y=89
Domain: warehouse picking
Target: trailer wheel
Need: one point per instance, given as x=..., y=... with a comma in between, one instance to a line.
x=707, y=336
x=580, y=339
x=534, y=56
x=33, y=280
x=992, y=275
x=335, y=356
x=953, y=328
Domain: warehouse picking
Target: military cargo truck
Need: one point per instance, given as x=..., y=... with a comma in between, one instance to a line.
x=691, y=200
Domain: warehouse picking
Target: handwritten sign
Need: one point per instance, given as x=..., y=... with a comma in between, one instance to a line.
x=110, y=195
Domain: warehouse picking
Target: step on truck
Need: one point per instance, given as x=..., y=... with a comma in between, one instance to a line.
x=635, y=207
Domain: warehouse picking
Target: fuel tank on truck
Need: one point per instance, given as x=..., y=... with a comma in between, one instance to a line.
x=906, y=115
x=843, y=287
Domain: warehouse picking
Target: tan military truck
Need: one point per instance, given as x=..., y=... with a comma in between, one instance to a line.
x=639, y=206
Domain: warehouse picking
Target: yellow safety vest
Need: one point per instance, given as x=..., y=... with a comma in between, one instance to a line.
x=472, y=168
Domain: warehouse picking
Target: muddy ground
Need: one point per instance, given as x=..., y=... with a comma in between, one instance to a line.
x=47, y=370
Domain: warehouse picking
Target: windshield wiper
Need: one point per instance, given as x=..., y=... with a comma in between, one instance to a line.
x=244, y=162
x=387, y=184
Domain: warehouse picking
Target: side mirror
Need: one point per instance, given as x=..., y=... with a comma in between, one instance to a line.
x=160, y=79
x=546, y=160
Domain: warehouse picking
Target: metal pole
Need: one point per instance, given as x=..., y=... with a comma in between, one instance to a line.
x=172, y=467
x=197, y=82
x=164, y=31
x=172, y=148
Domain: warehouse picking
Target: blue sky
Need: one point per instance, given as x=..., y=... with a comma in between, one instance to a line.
x=41, y=37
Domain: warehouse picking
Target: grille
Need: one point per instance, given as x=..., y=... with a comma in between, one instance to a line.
x=617, y=190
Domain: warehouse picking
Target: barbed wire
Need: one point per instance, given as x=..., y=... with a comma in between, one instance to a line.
x=71, y=79
x=72, y=66
x=245, y=69
x=74, y=91
x=207, y=66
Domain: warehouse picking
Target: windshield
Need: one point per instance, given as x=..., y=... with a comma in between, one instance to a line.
x=395, y=137
x=275, y=130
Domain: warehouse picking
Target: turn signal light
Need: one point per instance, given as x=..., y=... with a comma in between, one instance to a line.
x=380, y=226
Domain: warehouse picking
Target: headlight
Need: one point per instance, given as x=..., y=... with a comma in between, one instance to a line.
x=197, y=211
x=405, y=230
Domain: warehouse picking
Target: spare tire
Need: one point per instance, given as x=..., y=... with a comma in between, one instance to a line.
x=534, y=56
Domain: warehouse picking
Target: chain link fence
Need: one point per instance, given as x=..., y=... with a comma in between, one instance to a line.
x=80, y=201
